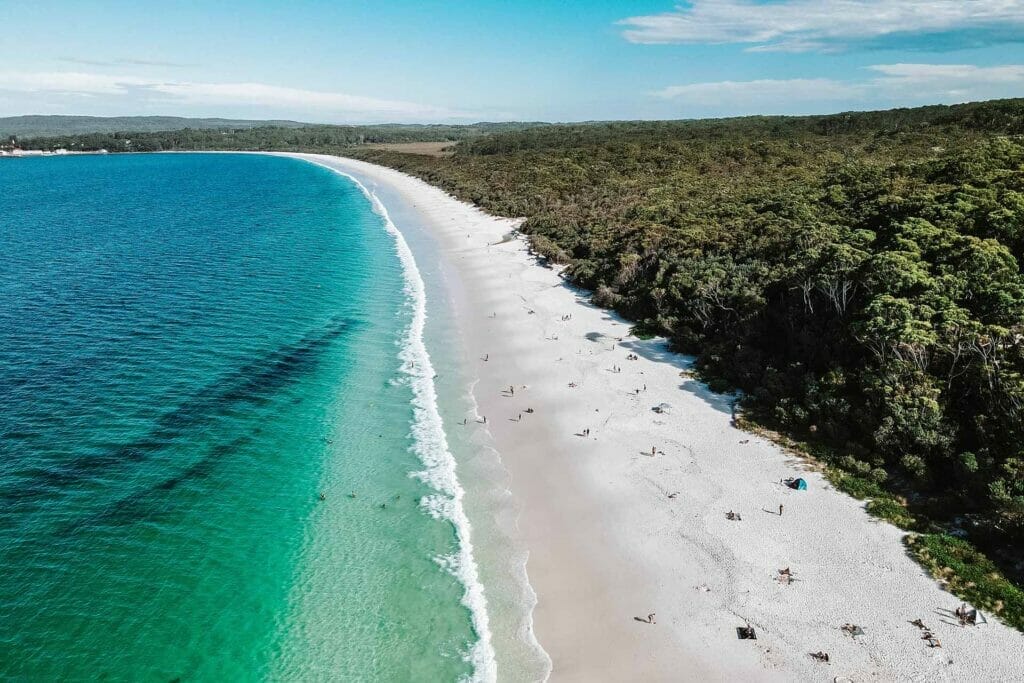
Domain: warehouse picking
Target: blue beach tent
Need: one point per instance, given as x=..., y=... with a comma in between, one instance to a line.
x=798, y=484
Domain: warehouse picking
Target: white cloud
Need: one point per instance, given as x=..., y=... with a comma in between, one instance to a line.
x=141, y=93
x=261, y=94
x=812, y=25
x=944, y=73
x=70, y=83
x=949, y=82
x=760, y=91
x=894, y=85
x=123, y=61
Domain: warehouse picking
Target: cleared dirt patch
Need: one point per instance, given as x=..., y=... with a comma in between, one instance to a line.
x=430, y=149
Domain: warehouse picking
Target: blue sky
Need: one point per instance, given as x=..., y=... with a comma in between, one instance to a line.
x=362, y=61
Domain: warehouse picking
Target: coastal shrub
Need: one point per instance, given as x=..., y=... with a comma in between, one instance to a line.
x=855, y=486
x=854, y=466
x=546, y=248
x=892, y=511
x=719, y=385
x=643, y=331
x=605, y=296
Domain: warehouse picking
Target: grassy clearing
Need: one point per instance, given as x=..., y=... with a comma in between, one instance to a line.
x=430, y=149
x=966, y=573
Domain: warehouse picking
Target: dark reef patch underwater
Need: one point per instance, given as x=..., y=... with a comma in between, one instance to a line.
x=194, y=348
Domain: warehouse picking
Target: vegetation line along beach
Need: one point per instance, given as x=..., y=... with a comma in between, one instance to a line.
x=639, y=491
x=850, y=289
x=537, y=341
x=857, y=276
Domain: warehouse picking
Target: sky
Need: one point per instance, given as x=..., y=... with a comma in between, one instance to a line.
x=355, y=61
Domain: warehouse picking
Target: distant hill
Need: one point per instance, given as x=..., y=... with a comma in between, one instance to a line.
x=265, y=135
x=37, y=126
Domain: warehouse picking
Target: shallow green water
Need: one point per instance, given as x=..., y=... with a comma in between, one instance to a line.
x=194, y=348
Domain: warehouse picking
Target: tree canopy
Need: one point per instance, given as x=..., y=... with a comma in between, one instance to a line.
x=858, y=275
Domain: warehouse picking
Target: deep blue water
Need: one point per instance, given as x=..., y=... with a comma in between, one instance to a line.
x=194, y=348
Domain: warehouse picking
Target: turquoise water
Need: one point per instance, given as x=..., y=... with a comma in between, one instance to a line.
x=194, y=348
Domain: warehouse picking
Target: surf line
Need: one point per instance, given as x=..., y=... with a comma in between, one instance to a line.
x=430, y=444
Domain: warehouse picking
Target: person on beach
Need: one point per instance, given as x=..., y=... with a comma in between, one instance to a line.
x=511, y=390
x=966, y=616
x=780, y=509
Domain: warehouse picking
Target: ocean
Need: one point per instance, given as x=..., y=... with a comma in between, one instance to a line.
x=221, y=450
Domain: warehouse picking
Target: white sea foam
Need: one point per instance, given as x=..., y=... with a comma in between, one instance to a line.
x=430, y=444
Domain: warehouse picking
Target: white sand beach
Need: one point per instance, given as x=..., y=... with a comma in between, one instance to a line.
x=614, y=533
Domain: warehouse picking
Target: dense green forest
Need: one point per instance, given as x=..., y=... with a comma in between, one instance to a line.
x=322, y=138
x=857, y=276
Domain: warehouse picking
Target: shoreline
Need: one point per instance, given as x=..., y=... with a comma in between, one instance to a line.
x=613, y=534
x=430, y=444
